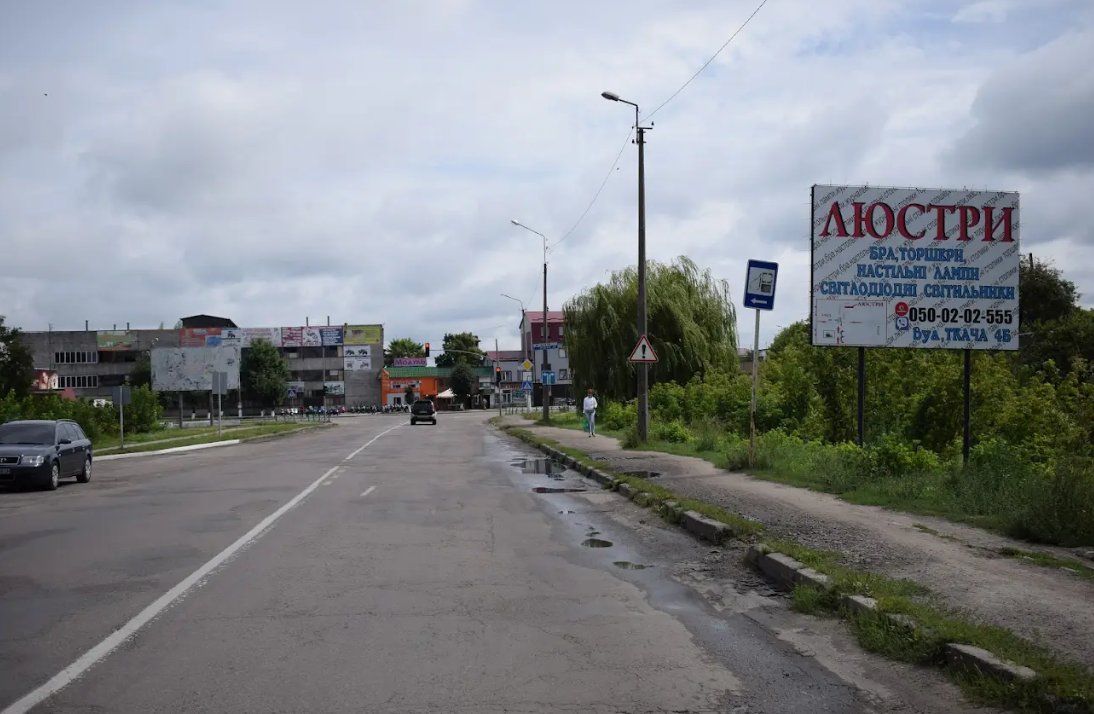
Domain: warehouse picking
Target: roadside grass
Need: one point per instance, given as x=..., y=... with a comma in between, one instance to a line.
x=936, y=625
x=1064, y=682
x=248, y=432
x=1073, y=566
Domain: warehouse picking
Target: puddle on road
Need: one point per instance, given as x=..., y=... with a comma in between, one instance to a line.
x=596, y=543
x=565, y=512
x=628, y=565
x=550, y=489
x=642, y=474
x=539, y=466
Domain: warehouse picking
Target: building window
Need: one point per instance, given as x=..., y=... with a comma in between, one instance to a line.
x=564, y=374
x=562, y=353
x=560, y=330
x=507, y=375
x=79, y=382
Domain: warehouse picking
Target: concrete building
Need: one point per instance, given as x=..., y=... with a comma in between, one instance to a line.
x=329, y=365
x=426, y=383
x=512, y=371
x=534, y=341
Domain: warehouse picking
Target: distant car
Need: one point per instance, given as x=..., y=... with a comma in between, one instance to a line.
x=423, y=410
x=41, y=453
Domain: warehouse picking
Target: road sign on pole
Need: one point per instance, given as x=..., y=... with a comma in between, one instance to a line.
x=526, y=385
x=760, y=284
x=547, y=377
x=526, y=365
x=643, y=352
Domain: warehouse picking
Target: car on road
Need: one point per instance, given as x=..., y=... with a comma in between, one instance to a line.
x=423, y=410
x=42, y=452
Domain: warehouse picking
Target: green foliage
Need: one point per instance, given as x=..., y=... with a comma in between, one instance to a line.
x=143, y=414
x=16, y=362
x=141, y=374
x=673, y=432
x=1046, y=295
x=462, y=381
x=403, y=347
x=460, y=348
x=691, y=324
x=264, y=374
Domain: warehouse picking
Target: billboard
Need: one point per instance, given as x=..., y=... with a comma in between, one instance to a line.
x=334, y=388
x=912, y=267
x=356, y=358
x=411, y=361
x=199, y=336
x=330, y=336
x=190, y=369
x=46, y=380
x=109, y=340
x=270, y=334
x=311, y=337
x=364, y=334
x=292, y=336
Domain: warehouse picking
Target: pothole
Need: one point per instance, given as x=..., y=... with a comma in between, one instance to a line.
x=628, y=565
x=596, y=543
x=642, y=474
x=539, y=466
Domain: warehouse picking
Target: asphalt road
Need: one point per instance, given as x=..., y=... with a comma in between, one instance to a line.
x=378, y=567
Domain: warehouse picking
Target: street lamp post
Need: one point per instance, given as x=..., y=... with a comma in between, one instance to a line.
x=643, y=368
x=527, y=354
x=546, y=366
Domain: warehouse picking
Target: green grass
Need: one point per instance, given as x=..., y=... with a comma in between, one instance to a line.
x=1076, y=567
x=249, y=432
x=937, y=626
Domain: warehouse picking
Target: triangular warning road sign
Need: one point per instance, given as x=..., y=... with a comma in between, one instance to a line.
x=643, y=351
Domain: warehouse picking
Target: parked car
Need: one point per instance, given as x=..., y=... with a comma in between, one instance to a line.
x=423, y=410
x=41, y=453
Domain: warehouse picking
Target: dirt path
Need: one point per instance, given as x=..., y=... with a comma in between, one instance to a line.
x=959, y=563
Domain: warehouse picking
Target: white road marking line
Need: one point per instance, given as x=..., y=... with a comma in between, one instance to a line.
x=327, y=483
x=365, y=446
x=70, y=673
x=367, y=491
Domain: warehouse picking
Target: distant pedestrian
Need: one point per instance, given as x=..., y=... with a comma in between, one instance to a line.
x=589, y=407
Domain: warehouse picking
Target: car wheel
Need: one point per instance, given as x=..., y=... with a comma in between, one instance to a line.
x=85, y=474
x=412, y=422
x=54, y=477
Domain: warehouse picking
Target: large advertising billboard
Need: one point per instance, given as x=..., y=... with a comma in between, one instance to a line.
x=270, y=334
x=357, y=358
x=364, y=334
x=190, y=369
x=910, y=267
x=331, y=336
x=109, y=340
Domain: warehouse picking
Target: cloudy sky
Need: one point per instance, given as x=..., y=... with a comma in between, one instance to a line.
x=271, y=160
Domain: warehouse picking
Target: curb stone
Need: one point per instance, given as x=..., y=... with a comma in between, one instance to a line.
x=706, y=528
x=627, y=491
x=972, y=659
x=643, y=499
x=789, y=572
x=859, y=604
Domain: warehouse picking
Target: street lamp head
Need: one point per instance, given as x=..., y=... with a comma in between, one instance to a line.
x=514, y=221
x=612, y=96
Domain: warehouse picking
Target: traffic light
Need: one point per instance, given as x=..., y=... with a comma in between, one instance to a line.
x=426, y=349
x=497, y=375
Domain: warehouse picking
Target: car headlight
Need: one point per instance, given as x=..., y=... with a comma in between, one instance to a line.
x=34, y=460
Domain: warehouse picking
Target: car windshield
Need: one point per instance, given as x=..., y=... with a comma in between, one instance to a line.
x=15, y=433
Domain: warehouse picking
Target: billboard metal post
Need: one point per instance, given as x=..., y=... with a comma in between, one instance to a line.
x=861, y=396
x=967, y=420
x=121, y=424
x=180, y=410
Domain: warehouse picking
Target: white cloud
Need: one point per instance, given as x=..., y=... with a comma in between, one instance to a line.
x=271, y=161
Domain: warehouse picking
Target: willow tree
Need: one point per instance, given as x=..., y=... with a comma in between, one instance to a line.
x=691, y=324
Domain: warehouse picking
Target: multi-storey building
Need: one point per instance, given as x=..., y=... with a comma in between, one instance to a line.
x=534, y=341
x=328, y=365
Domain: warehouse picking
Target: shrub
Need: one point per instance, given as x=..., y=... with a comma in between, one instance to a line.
x=616, y=416
x=1059, y=508
x=673, y=432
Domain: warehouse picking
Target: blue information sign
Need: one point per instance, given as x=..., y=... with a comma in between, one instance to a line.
x=547, y=377
x=760, y=285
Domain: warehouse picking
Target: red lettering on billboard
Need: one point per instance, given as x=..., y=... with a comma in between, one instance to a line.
x=970, y=218
x=841, y=227
x=990, y=225
x=941, y=209
x=887, y=211
x=902, y=221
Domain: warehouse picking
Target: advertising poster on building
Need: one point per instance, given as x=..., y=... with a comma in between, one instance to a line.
x=292, y=337
x=199, y=336
x=110, y=340
x=357, y=351
x=332, y=389
x=46, y=380
x=190, y=369
x=331, y=336
x=364, y=334
x=907, y=267
x=311, y=337
x=270, y=334
x=357, y=364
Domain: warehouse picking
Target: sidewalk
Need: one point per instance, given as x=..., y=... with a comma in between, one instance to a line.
x=960, y=564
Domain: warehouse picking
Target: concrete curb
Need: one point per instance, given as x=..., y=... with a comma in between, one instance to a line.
x=975, y=660
x=173, y=450
x=627, y=491
x=706, y=528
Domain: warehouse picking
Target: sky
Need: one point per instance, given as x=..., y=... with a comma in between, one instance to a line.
x=279, y=162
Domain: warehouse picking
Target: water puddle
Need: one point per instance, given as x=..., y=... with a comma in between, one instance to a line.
x=642, y=474
x=628, y=565
x=550, y=489
x=565, y=512
x=539, y=466
x=596, y=543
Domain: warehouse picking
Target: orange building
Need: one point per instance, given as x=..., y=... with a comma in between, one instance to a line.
x=427, y=382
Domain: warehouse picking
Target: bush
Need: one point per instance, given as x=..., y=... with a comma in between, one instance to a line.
x=673, y=432
x=616, y=416
x=1059, y=508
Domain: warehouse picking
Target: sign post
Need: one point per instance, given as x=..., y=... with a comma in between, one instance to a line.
x=759, y=295
x=220, y=387
x=122, y=398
